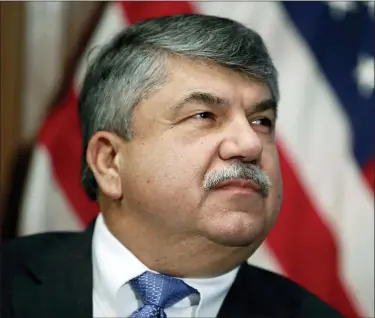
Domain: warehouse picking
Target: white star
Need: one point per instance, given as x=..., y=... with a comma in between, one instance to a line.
x=370, y=5
x=339, y=9
x=364, y=74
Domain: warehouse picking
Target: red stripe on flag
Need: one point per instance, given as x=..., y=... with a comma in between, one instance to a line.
x=61, y=135
x=369, y=173
x=305, y=247
x=137, y=11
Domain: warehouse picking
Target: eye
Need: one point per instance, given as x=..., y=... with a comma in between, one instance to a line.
x=264, y=121
x=263, y=125
x=204, y=115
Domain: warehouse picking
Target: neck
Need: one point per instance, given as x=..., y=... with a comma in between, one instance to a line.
x=174, y=254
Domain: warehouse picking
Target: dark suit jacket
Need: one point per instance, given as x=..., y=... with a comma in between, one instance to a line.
x=50, y=276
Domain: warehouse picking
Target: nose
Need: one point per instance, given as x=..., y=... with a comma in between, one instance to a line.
x=241, y=142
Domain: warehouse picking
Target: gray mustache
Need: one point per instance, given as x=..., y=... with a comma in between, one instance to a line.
x=238, y=171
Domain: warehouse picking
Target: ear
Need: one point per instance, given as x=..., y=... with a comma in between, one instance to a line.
x=103, y=157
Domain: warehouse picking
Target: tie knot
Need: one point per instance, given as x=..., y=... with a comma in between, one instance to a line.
x=160, y=290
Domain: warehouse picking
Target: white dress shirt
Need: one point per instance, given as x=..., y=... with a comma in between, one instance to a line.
x=114, y=266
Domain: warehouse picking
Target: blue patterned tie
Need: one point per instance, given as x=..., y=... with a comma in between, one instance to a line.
x=157, y=292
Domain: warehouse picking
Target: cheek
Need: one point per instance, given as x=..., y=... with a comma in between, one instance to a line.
x=270, y=163
x=169, y=185
x=166, y=170
x=271, y=166
x=183, y=157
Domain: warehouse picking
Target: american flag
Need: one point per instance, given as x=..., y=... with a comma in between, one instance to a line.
x=324, y=51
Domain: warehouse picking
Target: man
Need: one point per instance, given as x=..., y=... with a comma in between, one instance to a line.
x=178, y=120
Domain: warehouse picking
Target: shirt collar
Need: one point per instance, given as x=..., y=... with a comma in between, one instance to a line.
x=212, y=291
x=114, y=266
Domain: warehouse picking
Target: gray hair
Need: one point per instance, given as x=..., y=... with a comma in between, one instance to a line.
x=132, y=66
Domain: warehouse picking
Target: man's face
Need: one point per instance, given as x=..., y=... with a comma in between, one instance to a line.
x=204, y=120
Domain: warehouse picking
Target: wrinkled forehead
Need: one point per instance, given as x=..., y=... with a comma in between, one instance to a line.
x=185, y=76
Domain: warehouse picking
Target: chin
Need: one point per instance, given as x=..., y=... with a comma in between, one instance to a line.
x=237, y=230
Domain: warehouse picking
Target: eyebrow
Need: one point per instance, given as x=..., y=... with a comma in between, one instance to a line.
x=201, y=98
x=214, y=100
x=268, y=104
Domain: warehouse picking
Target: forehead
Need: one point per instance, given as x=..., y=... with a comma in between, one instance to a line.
x=185, y=76
x=208, y=75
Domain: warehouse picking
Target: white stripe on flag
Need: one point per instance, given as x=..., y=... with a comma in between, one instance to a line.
x=44, y=207
x=264, y=258
x=112, y=22
x=316, y=135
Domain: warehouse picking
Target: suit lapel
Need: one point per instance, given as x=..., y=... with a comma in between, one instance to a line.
x=59, y=284
x=236, y=304
x=254, y=295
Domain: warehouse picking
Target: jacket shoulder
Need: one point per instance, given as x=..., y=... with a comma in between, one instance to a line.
x=16, y=253
x=24, y=248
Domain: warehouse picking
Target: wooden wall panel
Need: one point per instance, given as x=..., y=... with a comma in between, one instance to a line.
x=12, y=32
